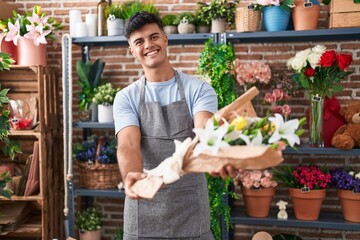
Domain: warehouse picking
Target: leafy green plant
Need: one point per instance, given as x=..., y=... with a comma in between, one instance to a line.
x=132, y=7
x=200, y=21
x=119, y=234
x=185, y=15
x=5, y=178
x=215, y=64
x=90, y=219
x=105, y=94
x=115, y=10
x=217, y=9
x=89, y=78
x=169, y=20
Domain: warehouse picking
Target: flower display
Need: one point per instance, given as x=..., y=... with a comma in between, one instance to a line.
x=36, y=25
x=285, y=4
x=319, y=70
x=87, y=151
x=105, y=94
x=255, y=179
x=310, y=177
x=250, y=73
x=248, y=131
x=278, y=101
x=345, y=179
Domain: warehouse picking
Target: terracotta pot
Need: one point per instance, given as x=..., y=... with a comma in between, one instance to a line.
x=90, y=235
x=307, y=205
x=258, y=201
x=8, y=47
x=29, y=54
x=350, y=204
x=305, y=18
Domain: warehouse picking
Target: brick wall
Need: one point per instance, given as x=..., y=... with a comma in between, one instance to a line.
x=122, y=69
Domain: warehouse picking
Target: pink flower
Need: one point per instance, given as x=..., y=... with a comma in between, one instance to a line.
x=37, y=20
x=255, y=179
x=270, y=98
x=37, y=34
x=278, y=93
x=286, y=110
x=14, y=32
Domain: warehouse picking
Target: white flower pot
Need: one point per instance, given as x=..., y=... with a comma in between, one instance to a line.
x=115, y=27
x=105, y=114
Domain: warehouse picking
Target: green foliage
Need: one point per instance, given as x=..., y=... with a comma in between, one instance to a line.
x=169, y=20
x=116, y=10
x=199, y=21
x=90, y=219
x=89, y=78
x=119, y=234
x=132, y=7
x=189, y=16
x=217, y=9
x=5, y=178
x=214, y=64
x=105, y=94
x=283, y=175
x=5, y=61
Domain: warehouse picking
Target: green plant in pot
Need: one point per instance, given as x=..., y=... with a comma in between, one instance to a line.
x=9, y=147
x=185, y=22
x=89, y=223
x=169, y=22
x=218, y=12
x=132, y=7
x=201, y=25
x=115, y=19
x=89, y=78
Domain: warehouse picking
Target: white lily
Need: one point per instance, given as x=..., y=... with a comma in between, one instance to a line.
x=284, y=130
x=210, y=139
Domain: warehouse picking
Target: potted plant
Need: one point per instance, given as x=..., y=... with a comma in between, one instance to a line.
x=169, y=22
x=132, y=7
x=347, y=184
x=185, y=22
x=104, y=97
x=115, y=19
x=29, y=32
x=89, y=78
x=201, y=25
x=218, y=13
x=307, y=188
x=258, y=189
x=89, y=223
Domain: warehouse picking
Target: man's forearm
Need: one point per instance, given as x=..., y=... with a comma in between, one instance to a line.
x=130, y=160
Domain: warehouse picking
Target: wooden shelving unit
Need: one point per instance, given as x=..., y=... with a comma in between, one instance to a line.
x=45, y=218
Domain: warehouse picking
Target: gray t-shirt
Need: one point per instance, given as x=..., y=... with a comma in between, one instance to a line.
x=200, y=96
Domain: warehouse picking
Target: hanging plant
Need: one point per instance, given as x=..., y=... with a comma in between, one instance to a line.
x=215, y=64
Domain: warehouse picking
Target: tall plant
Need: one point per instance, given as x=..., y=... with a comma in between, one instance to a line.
x=216, y=63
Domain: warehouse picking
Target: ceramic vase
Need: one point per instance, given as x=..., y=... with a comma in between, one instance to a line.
x=316, y=121
x=28, y=54
x=258, y=201
x=275, y=18
x=105, y=114
x=350, y=204
x=307, y=204
x=170, y=29
x=305, y=15
x=218, y=25
x=115, y=27
x=90, y=235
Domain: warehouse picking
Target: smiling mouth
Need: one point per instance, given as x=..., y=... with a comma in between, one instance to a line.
x=151, y=53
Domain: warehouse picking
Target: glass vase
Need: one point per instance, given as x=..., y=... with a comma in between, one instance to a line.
x=316, y=120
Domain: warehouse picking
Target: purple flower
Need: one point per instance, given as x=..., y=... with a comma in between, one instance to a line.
x=342, y=179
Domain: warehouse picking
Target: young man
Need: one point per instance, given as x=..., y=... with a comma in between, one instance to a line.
x=163, y=105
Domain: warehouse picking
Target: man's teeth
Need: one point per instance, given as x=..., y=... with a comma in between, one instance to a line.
x=151, y=53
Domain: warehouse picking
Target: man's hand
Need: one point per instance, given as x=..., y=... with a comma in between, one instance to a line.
x=129, y=181
x=225, y=172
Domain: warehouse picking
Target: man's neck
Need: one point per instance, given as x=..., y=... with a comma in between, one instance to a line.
x=159, y=74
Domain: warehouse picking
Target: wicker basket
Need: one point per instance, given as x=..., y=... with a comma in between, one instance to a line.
x=99, y=176
x=247, y=20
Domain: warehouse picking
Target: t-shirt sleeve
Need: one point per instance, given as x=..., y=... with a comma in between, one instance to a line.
x=124, y=113
x=205, y=99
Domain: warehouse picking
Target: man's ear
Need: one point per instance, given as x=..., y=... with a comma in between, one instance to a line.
x=131, y=51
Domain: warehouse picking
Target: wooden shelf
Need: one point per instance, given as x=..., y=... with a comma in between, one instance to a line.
x=31, y=133
x=23, y=198
x=29, y=229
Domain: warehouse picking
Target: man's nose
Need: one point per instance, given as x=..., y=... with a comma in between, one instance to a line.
x=147, y=43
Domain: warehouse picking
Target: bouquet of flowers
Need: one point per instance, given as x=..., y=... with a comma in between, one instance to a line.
x=105, y=94
x=250, y=73
x=35, y=25
x=311, y=177
x=319, y=71
x=255, y=179
x=285, y=4
x=345, y=179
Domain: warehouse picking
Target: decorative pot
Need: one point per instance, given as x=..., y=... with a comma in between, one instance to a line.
x=307, y=203
x=170, y=29
x=218, y=25
x=305, y=15
x=29, y=55
x=115, y=27
x=257, y=201
x=185, y=27
x=350, y=204
x=90, y=235
x=275, y=18
x=316, y=121
x=8, y=47
x=203, y=29
x=247, y=20
x=105, y=113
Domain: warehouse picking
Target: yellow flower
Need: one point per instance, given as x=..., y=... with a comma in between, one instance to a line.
x=239, y=123
x=2, y=26
x=37, y=10
x=266, y=127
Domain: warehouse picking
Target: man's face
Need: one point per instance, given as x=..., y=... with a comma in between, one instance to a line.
x=148, y=45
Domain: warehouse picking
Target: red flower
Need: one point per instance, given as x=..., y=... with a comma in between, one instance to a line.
x=328, y=58
x=309, y=72
x=343, y=60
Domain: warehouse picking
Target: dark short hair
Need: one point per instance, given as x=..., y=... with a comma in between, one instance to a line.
x=140, y=19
